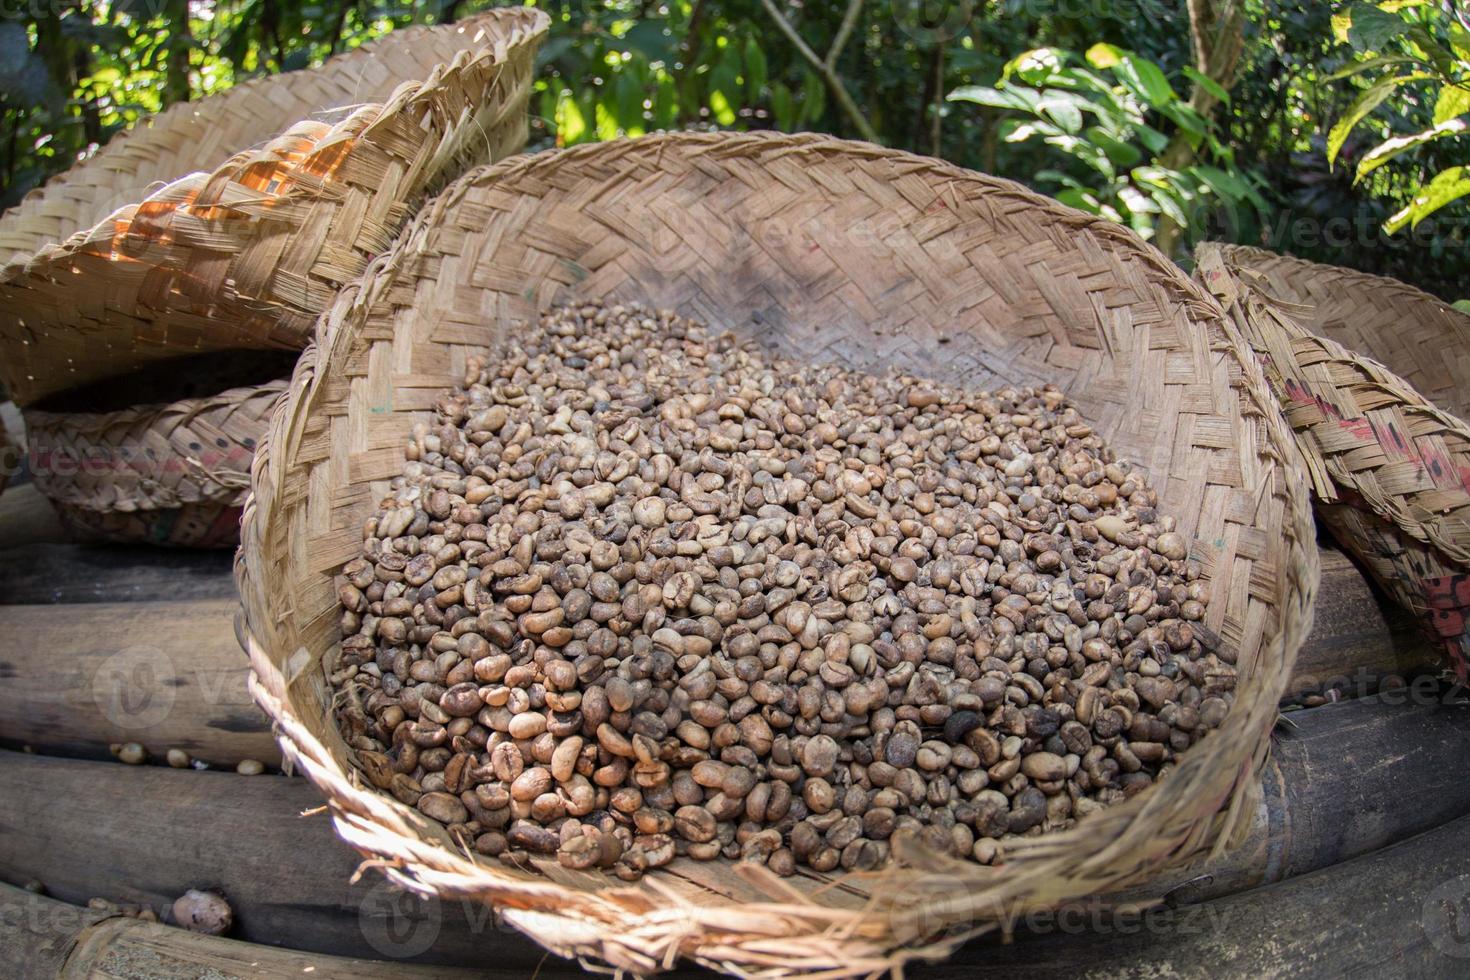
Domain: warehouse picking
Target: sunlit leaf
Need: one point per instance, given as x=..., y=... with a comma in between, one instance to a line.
x=1364, y=104
x=1102, y=55
x=571, y=126
x=1388, y=149
x=1452, y=101
x=1447, y=186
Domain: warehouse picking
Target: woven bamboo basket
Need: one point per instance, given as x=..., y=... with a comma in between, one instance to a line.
x=171, y=474
x=825, y=250
x=230, y=222
x=1418, y=337
x=1390, y=470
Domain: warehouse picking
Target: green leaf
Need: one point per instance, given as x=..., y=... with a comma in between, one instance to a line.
x=783, y=108
x=755, y=68
x=813, y=97
x=1102, y=55
x=1227, y=186
x=1453, y=101
x=1447, y=186
x=1080, y=198
x=665, y=102
x=721, y=109
x=1144, y=79
x=1463, y=305
x=1122, y=154
x=1063, y=109
x=1169, y=205
x=1208, y=84
x=1364, y=104
x=1034, y=67
x=652, y=39
x=1372, y=27
x=1153, y=140
x=1389, y=149
x=571, y=125
x=628, y=101
x=1368, y=64
x=1024, y=99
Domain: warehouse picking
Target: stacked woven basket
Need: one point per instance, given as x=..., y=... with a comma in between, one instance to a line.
x=836, y=252
x=273, y=195
x=1357, y=364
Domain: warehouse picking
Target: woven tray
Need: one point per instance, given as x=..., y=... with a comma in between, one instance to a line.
x=173, y=474
x=827, y=250
x=1390, y=470
x=272, y=196
x=1421, y=339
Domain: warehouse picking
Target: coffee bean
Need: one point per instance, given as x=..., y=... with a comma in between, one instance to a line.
x=645, y=589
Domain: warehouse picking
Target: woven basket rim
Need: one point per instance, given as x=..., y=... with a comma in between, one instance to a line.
x=1255, y=254
x=1267, y=315
x=808, y=932
x=360, y=121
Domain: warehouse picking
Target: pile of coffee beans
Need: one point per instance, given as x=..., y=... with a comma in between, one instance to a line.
x=645, y=591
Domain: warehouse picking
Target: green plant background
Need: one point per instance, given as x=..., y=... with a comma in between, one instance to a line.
x=1107, y=104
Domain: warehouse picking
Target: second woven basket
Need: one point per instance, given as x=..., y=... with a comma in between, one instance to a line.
x=274, y=193
x=1390, y=469
x=827, y=251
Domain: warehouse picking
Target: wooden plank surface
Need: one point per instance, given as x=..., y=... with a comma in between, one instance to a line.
x=1397, y=912
x=43, y=939
x=1350, y=778
x=77, y=678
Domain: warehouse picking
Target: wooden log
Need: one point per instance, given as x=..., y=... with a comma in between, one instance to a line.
x=1397, y=912
x=43, y=939
x=1350, y=778
x=1358, y=634
x=164, y=674
x=72, y=573
x=144, y=835
x=1343, y=780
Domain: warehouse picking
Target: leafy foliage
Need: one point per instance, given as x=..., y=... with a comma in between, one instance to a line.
x=1419, y=53
x=1085, y=100
x=1111, y=120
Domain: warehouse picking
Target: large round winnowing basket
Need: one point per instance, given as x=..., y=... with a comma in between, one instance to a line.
x=824, y=250
x=230, y=222
x=1390, y=469
x=1418, y=337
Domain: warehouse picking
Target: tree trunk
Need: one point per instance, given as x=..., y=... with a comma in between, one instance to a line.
x=1217, y=33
